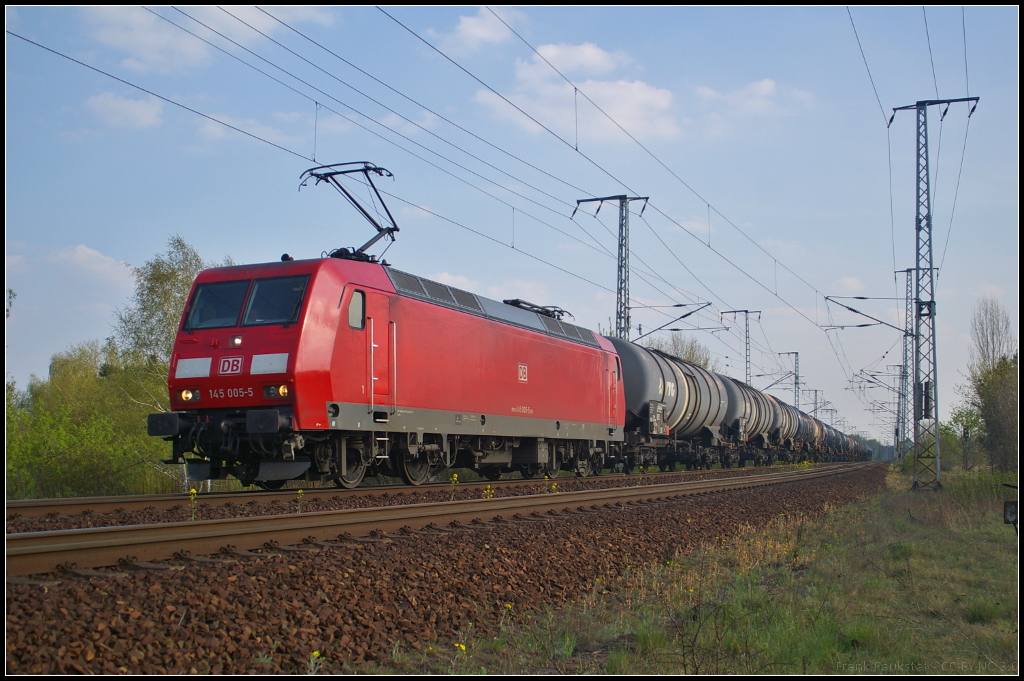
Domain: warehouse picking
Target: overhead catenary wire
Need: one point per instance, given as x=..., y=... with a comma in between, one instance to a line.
x=404, y=118
x=295, y=153
x=650, y=270
x=963, y=150
x=227, y=125
x=625, y=185
x=162, y=98
x=626, y=132
x=888, y=144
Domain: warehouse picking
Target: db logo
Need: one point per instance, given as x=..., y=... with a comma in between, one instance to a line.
x=522, y=373
x=230, y=365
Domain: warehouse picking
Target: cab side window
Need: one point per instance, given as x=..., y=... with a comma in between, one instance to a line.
x=357, y=310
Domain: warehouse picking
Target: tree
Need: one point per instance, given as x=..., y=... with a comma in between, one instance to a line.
x=996, y=391
x=686, y=348
x=82, y=430
x=147, y=327
x=964, y=429
x=991, y=336
x=77, y=433
x=994, y=376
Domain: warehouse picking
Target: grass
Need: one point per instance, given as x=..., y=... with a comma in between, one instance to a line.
x=903, y=582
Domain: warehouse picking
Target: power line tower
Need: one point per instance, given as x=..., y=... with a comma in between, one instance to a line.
x=927, y=471
x=814, y=412
x=796, y=377
x=746, y=317
x=904, y=423
x=622, y=322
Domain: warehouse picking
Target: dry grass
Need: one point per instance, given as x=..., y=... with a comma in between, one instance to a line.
x=904, y=582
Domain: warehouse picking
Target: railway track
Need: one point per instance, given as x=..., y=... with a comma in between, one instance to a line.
x=32, y=553
x=38, y=508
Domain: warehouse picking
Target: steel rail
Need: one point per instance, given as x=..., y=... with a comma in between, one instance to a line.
x=39, y=552
x=38, y=508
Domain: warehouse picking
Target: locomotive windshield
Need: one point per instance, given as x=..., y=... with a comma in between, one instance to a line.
x=216, y=305
x=275, y=301
x=219, y=305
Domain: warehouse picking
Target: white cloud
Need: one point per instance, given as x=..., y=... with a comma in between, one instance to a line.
x=642, y=109
x=850, y=284
x=585, y=59
x=760, y=98
x=333, y=123
x=121, y=112
x=474, y=32
x=418, y=212
x=153, y=44
x=93, y=264
x=215, y=131
x=533, y=291
x=697, y=226
x=456, y=280
x=396, y=122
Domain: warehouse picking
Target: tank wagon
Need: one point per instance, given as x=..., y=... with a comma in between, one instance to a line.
x=342, y=366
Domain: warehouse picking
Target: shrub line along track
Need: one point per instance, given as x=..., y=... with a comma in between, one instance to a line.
x=39, y=552
x=38, y=508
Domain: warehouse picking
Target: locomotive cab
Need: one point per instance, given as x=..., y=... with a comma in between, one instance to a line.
x=252, y=354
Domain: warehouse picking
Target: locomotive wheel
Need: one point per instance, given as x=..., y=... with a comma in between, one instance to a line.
x=584, y=468
x=270, y=485
x=356, y=473
x=529, y=472
x=414, y=472
x=492, y=473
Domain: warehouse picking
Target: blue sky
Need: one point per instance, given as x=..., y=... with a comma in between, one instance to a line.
x=776, y=150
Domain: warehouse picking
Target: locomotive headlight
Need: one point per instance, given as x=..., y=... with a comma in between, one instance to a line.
x=189, y=395
x=272, y=391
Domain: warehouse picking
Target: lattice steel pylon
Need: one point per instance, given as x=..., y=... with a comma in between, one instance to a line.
x=622, y=319
x=746, y=335
x=796, y=377
x=927, y=463
x=904, y=424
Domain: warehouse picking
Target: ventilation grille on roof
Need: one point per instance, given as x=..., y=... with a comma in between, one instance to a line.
x=439, y=294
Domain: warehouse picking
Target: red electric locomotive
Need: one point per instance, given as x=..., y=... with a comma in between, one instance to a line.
x=326, y=369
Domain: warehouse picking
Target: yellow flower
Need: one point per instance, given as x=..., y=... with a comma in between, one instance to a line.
x=192, y=491
x=315, y=653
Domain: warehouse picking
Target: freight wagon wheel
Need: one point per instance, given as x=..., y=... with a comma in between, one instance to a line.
x=414, y=471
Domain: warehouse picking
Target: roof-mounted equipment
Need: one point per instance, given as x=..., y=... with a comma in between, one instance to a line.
x=330, y=175
x=547, y=310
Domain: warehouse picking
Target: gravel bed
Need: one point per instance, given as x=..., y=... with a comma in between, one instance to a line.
x=357, y=601
x=311, y=503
